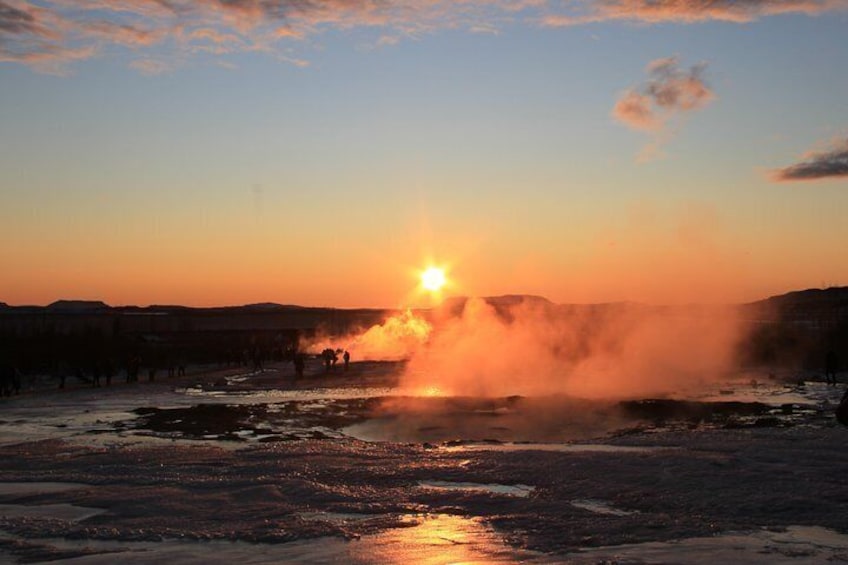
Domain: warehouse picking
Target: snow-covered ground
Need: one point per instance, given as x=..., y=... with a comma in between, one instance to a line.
x=256, y=468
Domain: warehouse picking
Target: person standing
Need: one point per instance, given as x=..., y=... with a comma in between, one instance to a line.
x=831, y=366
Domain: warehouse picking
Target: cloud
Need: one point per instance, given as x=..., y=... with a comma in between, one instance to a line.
x=690, y=11
x=16, y=21
x=635, y=110
x=151, y=66
x=669, y=94
x=64, y=30
x=122, y=34
x=829, y=164
x=34, y=36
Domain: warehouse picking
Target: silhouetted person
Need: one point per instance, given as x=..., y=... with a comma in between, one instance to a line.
x=10, y=380
x=298, y=365
x=256, y=356
x=346, y=358
x=17, y=377
x=330, y=358
x=109, y=371
x=132, y=370
x=95, y=375
x=831, y=365
x=842, y=410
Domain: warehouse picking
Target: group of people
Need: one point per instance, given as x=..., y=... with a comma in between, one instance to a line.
x=831, y=367
x=329, y=356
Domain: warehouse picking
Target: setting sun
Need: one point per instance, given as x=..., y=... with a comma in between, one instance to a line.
x=433, y=279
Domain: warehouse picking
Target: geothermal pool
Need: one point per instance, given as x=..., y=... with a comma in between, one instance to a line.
x=223, y=466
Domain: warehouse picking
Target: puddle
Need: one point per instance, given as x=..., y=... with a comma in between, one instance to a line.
x=601, y=507
x=427, y=539
x=565, y=447
x=506, y=490
x=336, y=517
x=27, y=489
x=67, y=512
x=271, y=407
x=280, y=395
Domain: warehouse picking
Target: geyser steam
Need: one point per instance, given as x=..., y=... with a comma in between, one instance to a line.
x=535, y=348
x=399, y=337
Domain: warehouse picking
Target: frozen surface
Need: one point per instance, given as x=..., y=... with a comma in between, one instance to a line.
x=600, y=507
x=256, y=468
x=561, y=447
x=506, y=490
x=67, y=512
x=794, y=545
x=21, y=489
x=426, y=539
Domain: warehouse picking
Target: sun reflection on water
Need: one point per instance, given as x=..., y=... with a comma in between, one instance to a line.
x=431, y=391
x=438, y=539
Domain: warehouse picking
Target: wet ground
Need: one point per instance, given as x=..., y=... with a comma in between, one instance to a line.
x=260, y=468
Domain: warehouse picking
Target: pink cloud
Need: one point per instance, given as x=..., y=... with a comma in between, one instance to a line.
x=669, y=93
x=691, y=11
x=64, y=29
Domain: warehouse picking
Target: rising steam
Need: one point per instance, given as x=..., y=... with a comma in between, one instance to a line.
x=399, y=337
x=535, y=348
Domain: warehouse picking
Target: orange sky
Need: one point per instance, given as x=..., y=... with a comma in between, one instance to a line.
x=322, y=153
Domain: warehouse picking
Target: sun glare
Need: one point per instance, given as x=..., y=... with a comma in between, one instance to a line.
x=433, y=279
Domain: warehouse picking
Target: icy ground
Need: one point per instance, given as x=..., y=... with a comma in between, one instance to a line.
x=225, y=467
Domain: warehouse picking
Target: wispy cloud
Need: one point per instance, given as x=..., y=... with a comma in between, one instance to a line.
x=689, y=11
x=54, y=32
x=832, y=163
x=34, y=36
x=151, y=66
x=669, y=94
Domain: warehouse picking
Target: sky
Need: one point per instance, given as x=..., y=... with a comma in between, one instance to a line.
x=324, y=152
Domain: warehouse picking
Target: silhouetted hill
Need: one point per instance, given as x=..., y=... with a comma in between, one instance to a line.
x=811, y=296
x=78, y=306
x=828, y=306
x=270, y=306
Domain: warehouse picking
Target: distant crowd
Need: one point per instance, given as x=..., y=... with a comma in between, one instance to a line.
x=103, y=370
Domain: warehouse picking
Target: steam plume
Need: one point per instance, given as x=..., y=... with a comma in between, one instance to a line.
x=399, y=337
x=535, y=348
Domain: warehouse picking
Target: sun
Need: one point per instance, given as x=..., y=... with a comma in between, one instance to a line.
x=433, y=279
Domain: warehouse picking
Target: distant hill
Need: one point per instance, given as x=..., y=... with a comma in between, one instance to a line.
x=77, y=306
x=835, y=294
x=801, y=304
x=270, y=306
x=814, y=304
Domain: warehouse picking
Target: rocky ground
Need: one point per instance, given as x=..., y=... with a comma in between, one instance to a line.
x=261, y=469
